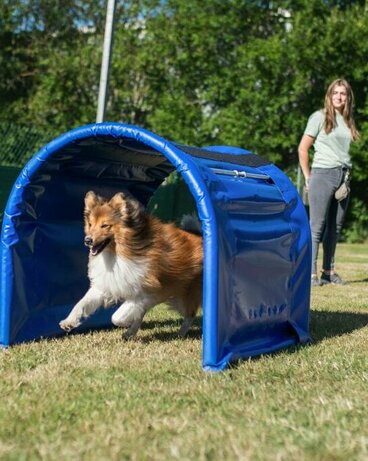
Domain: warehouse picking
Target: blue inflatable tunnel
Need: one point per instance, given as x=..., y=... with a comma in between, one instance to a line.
x=256, y=292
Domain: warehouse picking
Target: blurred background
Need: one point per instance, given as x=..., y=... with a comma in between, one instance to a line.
x=199, y=72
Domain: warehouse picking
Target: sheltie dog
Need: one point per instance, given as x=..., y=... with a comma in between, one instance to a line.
x=137, y=261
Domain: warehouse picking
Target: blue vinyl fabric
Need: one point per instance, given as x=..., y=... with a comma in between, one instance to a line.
x=257, y=260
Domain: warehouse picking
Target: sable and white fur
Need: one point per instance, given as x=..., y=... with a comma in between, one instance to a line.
x=137, y=261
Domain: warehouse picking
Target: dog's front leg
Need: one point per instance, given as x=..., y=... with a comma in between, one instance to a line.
x=90, y=302
x=130, y=315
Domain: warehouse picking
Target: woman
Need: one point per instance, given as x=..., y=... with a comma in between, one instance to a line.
x=330, y=131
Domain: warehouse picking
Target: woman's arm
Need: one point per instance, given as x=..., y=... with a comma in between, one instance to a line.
x=303, y=150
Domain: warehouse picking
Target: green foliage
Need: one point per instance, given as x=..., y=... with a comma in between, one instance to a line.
x=197, y=71
x=358, y=230
x=172, y=200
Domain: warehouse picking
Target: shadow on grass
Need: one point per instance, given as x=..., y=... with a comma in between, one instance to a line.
x=325, y=324
x=163, y=330
x=350, y=282
x=167, y=330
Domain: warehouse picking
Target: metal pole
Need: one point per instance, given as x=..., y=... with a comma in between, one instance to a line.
x=106, y=59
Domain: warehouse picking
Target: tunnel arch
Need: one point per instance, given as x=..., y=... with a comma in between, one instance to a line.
x=256, y=292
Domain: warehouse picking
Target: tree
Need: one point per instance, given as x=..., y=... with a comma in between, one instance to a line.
x=50, y=61
x=196, y=71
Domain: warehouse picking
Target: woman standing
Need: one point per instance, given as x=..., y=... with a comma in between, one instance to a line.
x=330, y=131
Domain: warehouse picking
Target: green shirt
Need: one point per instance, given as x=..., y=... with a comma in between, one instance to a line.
x=330, y=150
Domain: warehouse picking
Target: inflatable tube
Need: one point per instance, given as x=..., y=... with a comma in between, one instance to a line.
x=257, y=260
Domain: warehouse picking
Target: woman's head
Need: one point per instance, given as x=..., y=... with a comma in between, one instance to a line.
x=340, y=97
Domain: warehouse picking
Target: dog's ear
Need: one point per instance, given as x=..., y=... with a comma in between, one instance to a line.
x=91, y=200
x=118, y=202
x=126, y=207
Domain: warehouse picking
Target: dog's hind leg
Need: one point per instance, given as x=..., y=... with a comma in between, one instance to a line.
x=185, y=326
x=189, y=314
x=90, y=302
x=188, y=305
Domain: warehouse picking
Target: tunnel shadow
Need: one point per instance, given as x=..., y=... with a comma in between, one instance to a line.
x=329, y=324
x=323, y=325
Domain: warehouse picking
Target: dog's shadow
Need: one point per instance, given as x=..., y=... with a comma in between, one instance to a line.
x=168, y=330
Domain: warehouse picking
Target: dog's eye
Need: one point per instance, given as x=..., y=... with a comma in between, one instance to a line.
x=89, y=224
x=104, y=226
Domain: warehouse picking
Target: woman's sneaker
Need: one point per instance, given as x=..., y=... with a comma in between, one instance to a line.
x=314, y=281
x=334, y=278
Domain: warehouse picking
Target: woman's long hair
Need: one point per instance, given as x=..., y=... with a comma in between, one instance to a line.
x=347, y=113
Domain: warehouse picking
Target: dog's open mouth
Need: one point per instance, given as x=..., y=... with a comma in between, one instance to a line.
x=96, y=249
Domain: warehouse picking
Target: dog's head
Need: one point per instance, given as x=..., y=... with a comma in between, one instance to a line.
x=105, y=219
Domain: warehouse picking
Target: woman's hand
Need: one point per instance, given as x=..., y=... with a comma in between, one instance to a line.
x=303, y=151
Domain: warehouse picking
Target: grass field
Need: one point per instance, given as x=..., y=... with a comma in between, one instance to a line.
x=94, y=397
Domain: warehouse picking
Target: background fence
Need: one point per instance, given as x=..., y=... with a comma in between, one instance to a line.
x=18, y=145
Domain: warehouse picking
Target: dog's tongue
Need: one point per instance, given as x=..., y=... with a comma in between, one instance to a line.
x=96, y=249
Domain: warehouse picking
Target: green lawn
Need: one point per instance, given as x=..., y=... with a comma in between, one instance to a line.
x=94, y=397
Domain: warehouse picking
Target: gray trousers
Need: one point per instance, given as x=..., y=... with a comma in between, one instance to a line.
x=326, y=213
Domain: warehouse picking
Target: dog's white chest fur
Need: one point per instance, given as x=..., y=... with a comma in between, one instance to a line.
x=117, y=278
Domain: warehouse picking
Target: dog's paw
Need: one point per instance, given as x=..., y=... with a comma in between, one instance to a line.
x=127, y=335
x=131, y=331
x=67, y=325
x=185, y=327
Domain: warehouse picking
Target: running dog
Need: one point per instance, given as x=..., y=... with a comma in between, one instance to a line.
x=137, y=261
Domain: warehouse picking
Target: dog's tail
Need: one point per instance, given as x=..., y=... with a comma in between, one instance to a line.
x=191, y=223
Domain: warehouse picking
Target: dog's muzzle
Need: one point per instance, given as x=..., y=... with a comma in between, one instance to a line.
x=95, y=248
x=88, y=241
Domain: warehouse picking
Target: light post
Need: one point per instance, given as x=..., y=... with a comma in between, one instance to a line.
x=106, y=59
